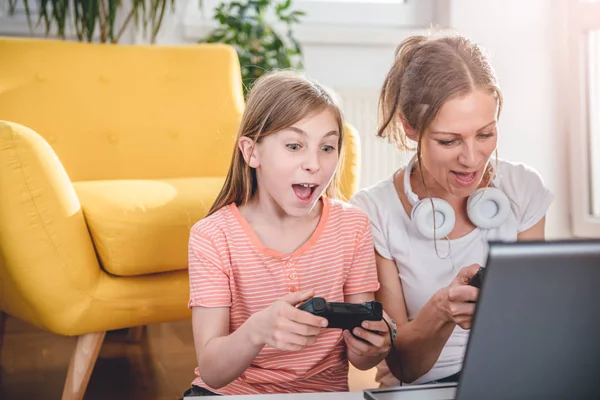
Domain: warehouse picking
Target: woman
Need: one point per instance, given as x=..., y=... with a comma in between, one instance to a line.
x=443, y=95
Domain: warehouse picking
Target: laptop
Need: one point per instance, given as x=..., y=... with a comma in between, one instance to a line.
x=536, y=328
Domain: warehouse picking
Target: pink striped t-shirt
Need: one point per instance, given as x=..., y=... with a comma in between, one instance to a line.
x=229, y=267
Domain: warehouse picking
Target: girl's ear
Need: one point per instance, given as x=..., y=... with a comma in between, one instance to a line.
x=248, y=149
x=411, y=133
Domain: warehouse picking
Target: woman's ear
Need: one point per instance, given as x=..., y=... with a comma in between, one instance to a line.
x=248, y=149
x=410, y=132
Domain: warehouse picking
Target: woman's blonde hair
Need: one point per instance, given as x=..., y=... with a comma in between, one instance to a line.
x=426, y=73
x=276, y=101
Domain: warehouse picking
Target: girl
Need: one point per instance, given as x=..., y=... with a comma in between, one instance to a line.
x=272, y=240
x=430, y=223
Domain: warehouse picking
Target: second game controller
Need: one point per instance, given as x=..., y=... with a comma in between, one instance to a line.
x=477, y=279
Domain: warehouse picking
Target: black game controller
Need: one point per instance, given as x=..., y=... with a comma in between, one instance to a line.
x=344, y=315
x=477, y=279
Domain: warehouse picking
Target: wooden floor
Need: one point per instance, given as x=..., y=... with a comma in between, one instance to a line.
x=33, y=364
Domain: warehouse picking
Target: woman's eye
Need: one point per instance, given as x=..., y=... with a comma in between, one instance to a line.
x=328, y=149
x=293, y=146
x=447, y=143
x=486, y=135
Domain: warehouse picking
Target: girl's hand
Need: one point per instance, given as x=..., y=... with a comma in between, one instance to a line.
x=376, y=340
x=285, y=327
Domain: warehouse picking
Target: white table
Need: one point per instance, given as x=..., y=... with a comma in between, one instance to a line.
x=442, y=391
x=289, y=396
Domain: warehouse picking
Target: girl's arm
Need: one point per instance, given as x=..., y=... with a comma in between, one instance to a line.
x=361, y=354
x=418, y=343
x=359, y=287
x=223, y=357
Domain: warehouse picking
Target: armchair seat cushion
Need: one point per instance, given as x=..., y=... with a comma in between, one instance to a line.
x=142, y=226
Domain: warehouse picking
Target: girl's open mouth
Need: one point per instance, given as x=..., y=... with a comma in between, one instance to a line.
x=304, y=191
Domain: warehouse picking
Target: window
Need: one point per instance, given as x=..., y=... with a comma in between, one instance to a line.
x=594, y=117
x=16, y=24
x=381, y=13
x=353, y=12
x=584, y=116
x=344, y=21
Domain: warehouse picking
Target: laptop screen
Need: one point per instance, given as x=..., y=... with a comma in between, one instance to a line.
x=536, y=329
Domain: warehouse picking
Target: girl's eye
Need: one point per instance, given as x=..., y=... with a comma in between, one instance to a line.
x=293, y=146
x=486, y=135
x=328, y=149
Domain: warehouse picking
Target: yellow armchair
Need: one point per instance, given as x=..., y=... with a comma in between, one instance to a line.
x=108, y=155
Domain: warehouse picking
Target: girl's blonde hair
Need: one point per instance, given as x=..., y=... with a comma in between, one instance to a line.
x=276, y=101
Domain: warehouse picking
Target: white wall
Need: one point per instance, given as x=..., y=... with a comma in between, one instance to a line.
x=352, y=60
x=526, y=41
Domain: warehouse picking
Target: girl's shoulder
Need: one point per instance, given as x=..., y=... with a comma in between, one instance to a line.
x=348, y=218
x=216, y=224
x=340, y=209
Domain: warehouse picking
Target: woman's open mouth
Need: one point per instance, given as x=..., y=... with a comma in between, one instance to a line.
x=464, y=178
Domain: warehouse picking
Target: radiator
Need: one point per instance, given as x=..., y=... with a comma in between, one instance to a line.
x=379, y=159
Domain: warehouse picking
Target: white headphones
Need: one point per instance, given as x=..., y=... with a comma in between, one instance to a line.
x=487, y=208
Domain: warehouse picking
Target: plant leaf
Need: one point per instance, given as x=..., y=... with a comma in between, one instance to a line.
x=243, y=25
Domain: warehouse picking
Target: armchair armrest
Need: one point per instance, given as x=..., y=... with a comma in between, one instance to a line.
x=350, y=167
x=48, y=264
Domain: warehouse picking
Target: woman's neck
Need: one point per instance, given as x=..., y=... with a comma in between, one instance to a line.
x=433, y=189
x=425, y=186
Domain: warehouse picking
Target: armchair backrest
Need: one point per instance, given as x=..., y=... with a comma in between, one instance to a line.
x=125, y=111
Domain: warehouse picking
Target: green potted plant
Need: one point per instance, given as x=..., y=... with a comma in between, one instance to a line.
x=96, y=17
x=245, y=26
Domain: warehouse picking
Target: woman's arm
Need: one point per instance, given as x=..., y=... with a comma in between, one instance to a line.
x=536, y=232
x=419, y=342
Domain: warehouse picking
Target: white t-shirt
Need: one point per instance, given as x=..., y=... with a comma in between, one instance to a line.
x=422, y=273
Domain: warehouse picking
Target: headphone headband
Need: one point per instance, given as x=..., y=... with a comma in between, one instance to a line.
x=410, y=195
x=486, y=207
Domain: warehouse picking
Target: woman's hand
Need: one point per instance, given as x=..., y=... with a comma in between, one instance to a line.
x=456, y=300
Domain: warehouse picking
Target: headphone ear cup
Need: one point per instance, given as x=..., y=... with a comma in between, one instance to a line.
x=422, y=217
x=488, y=207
